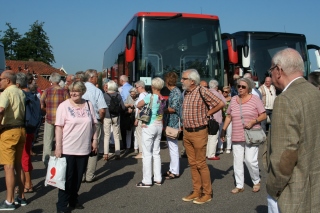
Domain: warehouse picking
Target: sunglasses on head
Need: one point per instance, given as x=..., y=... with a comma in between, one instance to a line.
x=242, y=86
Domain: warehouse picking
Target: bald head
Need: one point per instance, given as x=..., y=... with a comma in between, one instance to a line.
x=203, y=83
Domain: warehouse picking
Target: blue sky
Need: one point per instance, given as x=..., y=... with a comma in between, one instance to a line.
x=80, y=31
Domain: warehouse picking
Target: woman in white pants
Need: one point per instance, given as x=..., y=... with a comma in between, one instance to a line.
x=173, y=120
x=151, y=136
x=250, y=109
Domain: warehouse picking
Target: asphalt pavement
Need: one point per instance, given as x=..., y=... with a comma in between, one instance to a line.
x=115, y=188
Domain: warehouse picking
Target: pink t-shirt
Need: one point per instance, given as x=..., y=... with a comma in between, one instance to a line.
x=250, y=111
x=77, y=127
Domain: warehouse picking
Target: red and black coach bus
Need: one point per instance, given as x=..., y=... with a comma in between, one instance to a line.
x=153, y=43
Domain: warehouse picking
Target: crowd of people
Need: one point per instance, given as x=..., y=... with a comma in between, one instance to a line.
x=78, y=106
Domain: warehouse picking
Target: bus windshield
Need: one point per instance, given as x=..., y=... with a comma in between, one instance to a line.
x=264, y=46
x=2, y=59
x=178, y=44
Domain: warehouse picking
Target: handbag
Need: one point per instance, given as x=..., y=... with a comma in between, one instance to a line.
x=213, y=125
x=146, y=112
x=254, y=136
x=173, y=133
x=56, y=172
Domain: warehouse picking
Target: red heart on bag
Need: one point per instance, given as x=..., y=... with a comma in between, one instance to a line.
x=53, y=172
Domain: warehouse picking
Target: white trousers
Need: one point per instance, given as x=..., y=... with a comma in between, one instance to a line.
x=228, y=135
x=138, y=136
x=174, y=156
x=248, y=154
x=151, y=136
x=212, y=145
x=272, y=205
x=107, y=131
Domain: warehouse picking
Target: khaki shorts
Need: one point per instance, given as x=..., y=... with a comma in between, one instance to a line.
x=11, y=145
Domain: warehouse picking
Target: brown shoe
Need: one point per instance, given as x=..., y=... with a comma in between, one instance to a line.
x=193, y=195
x=237, y=190
x=256, y=187
x=203, y=199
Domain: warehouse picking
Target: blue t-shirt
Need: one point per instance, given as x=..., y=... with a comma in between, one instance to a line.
x=158, y=105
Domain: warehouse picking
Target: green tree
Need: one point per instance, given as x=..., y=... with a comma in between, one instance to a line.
x=35, y=44
x=9, y=40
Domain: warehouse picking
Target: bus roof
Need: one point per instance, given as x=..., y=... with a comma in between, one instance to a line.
x=267, y=33
x=170, y=14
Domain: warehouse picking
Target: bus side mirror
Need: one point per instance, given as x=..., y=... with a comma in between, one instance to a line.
x=232, y=47
x=131, y=40
x=245, y=56
x=317, y=52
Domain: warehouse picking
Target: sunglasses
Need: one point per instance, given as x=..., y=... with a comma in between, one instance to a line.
x=225, y=91
x=242, y=86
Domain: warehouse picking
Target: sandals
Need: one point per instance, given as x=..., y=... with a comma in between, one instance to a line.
x=28, y=190
x=172, y=176
x=237, y=190
x=143, y=185
x=256, y=187
x=105, y=157
x=157, y=183
x=166, y=174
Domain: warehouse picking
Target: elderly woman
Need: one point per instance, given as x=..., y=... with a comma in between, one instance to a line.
x=112, y=119
x=226, y=94
x=173, y=120
x=213, y=140
x=75, y=115
x=151, y=135
x=130, y=115
x=253, y=113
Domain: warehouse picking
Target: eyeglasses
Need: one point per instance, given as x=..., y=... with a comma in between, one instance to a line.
x=225, y=91
x=242, y=86
x=138, y=87
x=271, y=69
x=184, y=79
x=2, y=79
x=270, y=92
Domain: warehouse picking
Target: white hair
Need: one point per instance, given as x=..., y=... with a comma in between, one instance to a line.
x=213, y=84
x=193, y=75
x=112, y=86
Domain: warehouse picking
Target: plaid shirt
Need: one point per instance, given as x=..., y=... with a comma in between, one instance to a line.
x=194, y=109
x=50, y=99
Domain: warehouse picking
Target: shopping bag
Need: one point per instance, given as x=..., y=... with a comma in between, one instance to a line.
x=56, y=172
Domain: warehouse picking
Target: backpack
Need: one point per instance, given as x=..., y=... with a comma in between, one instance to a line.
x=32, y=113
x=115, y=104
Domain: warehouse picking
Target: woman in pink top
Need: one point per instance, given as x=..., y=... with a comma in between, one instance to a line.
x=253, y=113
x=76, y=138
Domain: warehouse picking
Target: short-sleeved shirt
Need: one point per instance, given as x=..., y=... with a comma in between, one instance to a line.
x=95, y=96
x=107, y=98
x=194, y=109
x=250, y=111
x=77, y=127
x=12, y=99
x=175, y=102
x=158, y=105
x=51, y=98
x=125, y=91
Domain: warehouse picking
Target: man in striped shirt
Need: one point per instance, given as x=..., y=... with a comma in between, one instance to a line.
x=195, y=133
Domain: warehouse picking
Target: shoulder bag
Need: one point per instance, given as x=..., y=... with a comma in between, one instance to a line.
x=213, y=125
x=254, y=136
x=146, y=112
x=172, y=132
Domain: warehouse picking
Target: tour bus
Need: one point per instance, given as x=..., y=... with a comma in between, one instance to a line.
x=256, y=49
x=2, y=58
x=154, y=43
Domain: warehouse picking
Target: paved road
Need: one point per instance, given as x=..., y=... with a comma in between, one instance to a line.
x=115, y=189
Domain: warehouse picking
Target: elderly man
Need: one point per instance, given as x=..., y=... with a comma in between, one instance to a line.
x=195, y=134
x=268, y=92
x=95, y=96
x=69, y=80
x=292, y=154
x=12, y=137
x=50, y=100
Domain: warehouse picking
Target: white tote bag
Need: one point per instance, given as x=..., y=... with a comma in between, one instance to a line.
x=56, y=172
